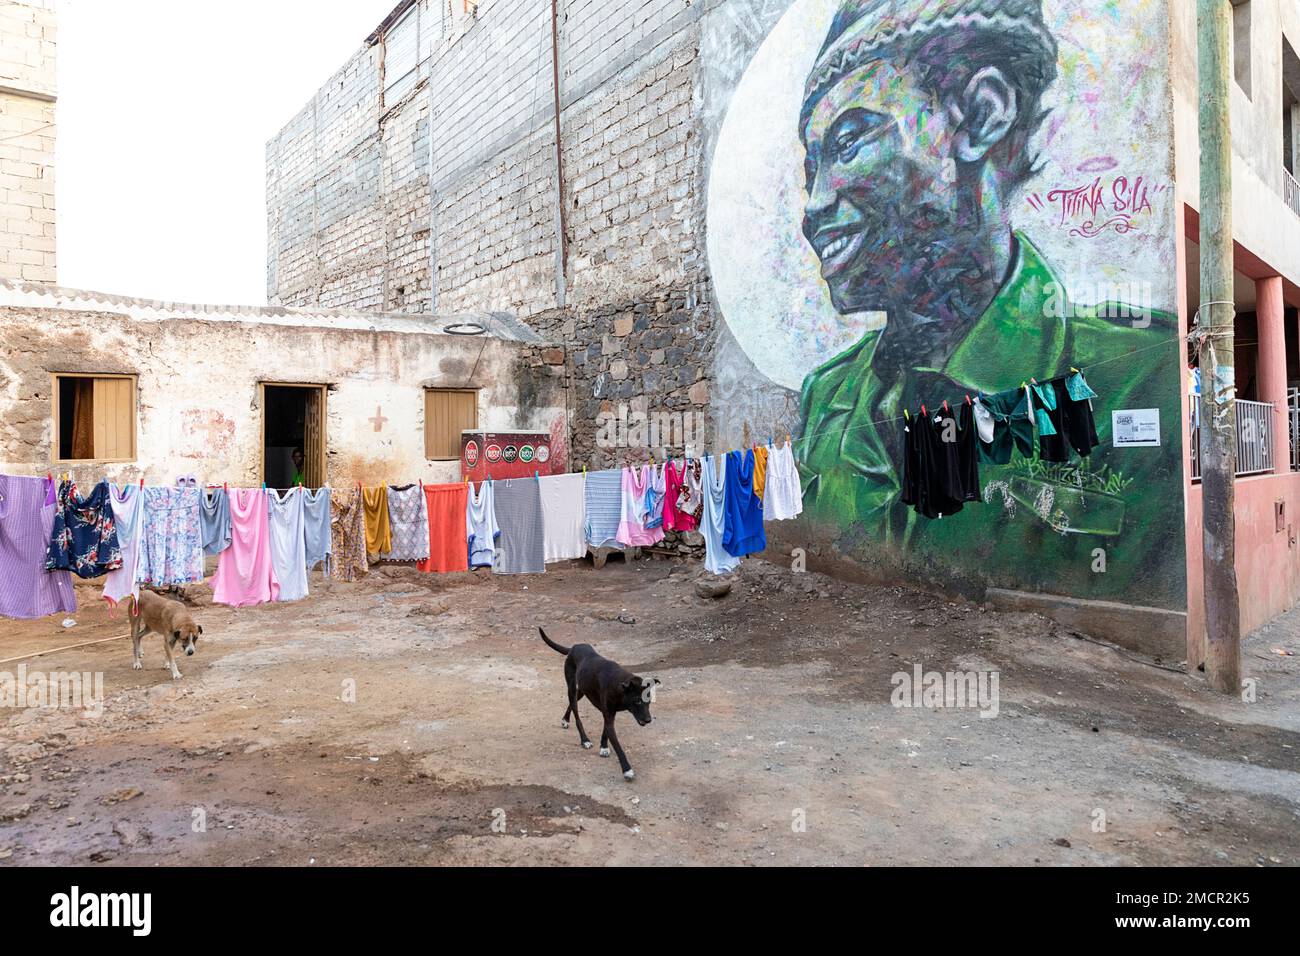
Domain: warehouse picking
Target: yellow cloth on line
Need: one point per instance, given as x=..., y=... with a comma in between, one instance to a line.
x=760, y=469
x=379, y=533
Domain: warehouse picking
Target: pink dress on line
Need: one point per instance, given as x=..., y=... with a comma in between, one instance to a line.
x=674, y=478
x=631, y=527
x=245, y=574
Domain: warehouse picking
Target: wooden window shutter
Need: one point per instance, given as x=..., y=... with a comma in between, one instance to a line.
x=447, y=412
x=114, y=419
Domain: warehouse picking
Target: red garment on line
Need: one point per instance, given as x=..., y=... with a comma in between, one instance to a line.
x=448, y=541
x=675, y=520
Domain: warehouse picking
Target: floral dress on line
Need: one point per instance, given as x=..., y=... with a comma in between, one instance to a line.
x=171, y=544
x=347, y=536
x=84, y=537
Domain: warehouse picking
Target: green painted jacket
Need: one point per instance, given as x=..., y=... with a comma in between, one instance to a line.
x=1041, y=525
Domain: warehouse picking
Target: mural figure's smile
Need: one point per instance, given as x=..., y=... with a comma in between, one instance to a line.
x=836, y=247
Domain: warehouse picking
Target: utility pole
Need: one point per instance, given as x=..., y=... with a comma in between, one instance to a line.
x=1218, y=410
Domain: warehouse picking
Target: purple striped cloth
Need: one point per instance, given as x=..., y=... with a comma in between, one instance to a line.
x=27, y=590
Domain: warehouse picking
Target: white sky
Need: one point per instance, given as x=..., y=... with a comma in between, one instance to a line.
x=165, y=107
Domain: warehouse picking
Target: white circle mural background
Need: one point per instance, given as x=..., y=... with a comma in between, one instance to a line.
x=766, y=278
x=765, y=275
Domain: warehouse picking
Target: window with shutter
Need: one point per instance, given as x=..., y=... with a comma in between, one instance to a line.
x=94, y=417
x=447, y=412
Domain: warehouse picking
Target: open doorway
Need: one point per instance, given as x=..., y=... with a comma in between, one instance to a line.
x=293, y=435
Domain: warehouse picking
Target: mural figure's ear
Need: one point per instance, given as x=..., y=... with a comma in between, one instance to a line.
x=989, y=107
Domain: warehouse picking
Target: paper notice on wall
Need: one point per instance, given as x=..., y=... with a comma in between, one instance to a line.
x=1136, y=428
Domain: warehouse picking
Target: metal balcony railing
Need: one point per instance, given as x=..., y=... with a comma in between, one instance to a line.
x=1254, y=435
x=1293, y=417
x=1291, y=190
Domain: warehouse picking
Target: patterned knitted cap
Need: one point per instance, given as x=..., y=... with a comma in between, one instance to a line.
x=866, y=30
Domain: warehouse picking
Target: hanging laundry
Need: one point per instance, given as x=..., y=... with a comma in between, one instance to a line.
x=654, y=498
x=743, y=522
x=564, y=516
x=690, y=500
x=447, y=508
x=246, y=571
x=378, y=530
x=171, y=546
x=128, y=514
x=288, y=542
x=27, y=590
x=481, y=530
x=518, y=506
x=408, y=524
x=1012, y=423
x=761, y=453
x=604, y=501
x=316, y=527
x=940, y=462
x=1078, y=388
x=632, y=530
x=214, y=516
x=675, y=496
x=984, y=423
x=1073, y=423
x=783, y=491
x=1042, y=401
x=713, y=527
x=347, y=535
x=84, y=537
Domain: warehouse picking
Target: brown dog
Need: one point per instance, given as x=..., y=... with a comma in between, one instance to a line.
x=170, y=620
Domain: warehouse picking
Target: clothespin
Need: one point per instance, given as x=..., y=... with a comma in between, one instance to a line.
x=924, y=413
x=968, y=401
x=1075, y=370
x=906, y=415
x=224, y=487
x=141, y=484
x=945, y=405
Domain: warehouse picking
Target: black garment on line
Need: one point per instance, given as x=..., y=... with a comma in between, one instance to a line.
x=940, y=476
x=1075, y=427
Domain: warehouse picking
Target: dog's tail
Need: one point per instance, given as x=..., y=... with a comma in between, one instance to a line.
x=552, y=645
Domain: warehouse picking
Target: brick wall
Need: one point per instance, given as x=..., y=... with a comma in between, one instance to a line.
x=27, y=99
x=633, y=308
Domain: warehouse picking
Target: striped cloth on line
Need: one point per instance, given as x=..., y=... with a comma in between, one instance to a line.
x=604, y=507
x=27, y=590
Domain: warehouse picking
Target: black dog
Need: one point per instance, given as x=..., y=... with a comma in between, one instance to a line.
x=610, y=688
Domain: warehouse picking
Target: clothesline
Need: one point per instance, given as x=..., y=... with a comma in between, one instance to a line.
x=899, y=418
x=267, y=544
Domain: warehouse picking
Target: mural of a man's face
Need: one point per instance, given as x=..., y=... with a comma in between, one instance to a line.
x=880, y=179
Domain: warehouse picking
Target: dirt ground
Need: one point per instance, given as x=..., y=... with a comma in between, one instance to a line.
x=774, y=739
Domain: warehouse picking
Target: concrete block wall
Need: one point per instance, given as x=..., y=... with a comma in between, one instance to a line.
x=27, y=135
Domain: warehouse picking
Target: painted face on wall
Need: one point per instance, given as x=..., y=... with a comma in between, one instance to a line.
x=880, y=182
